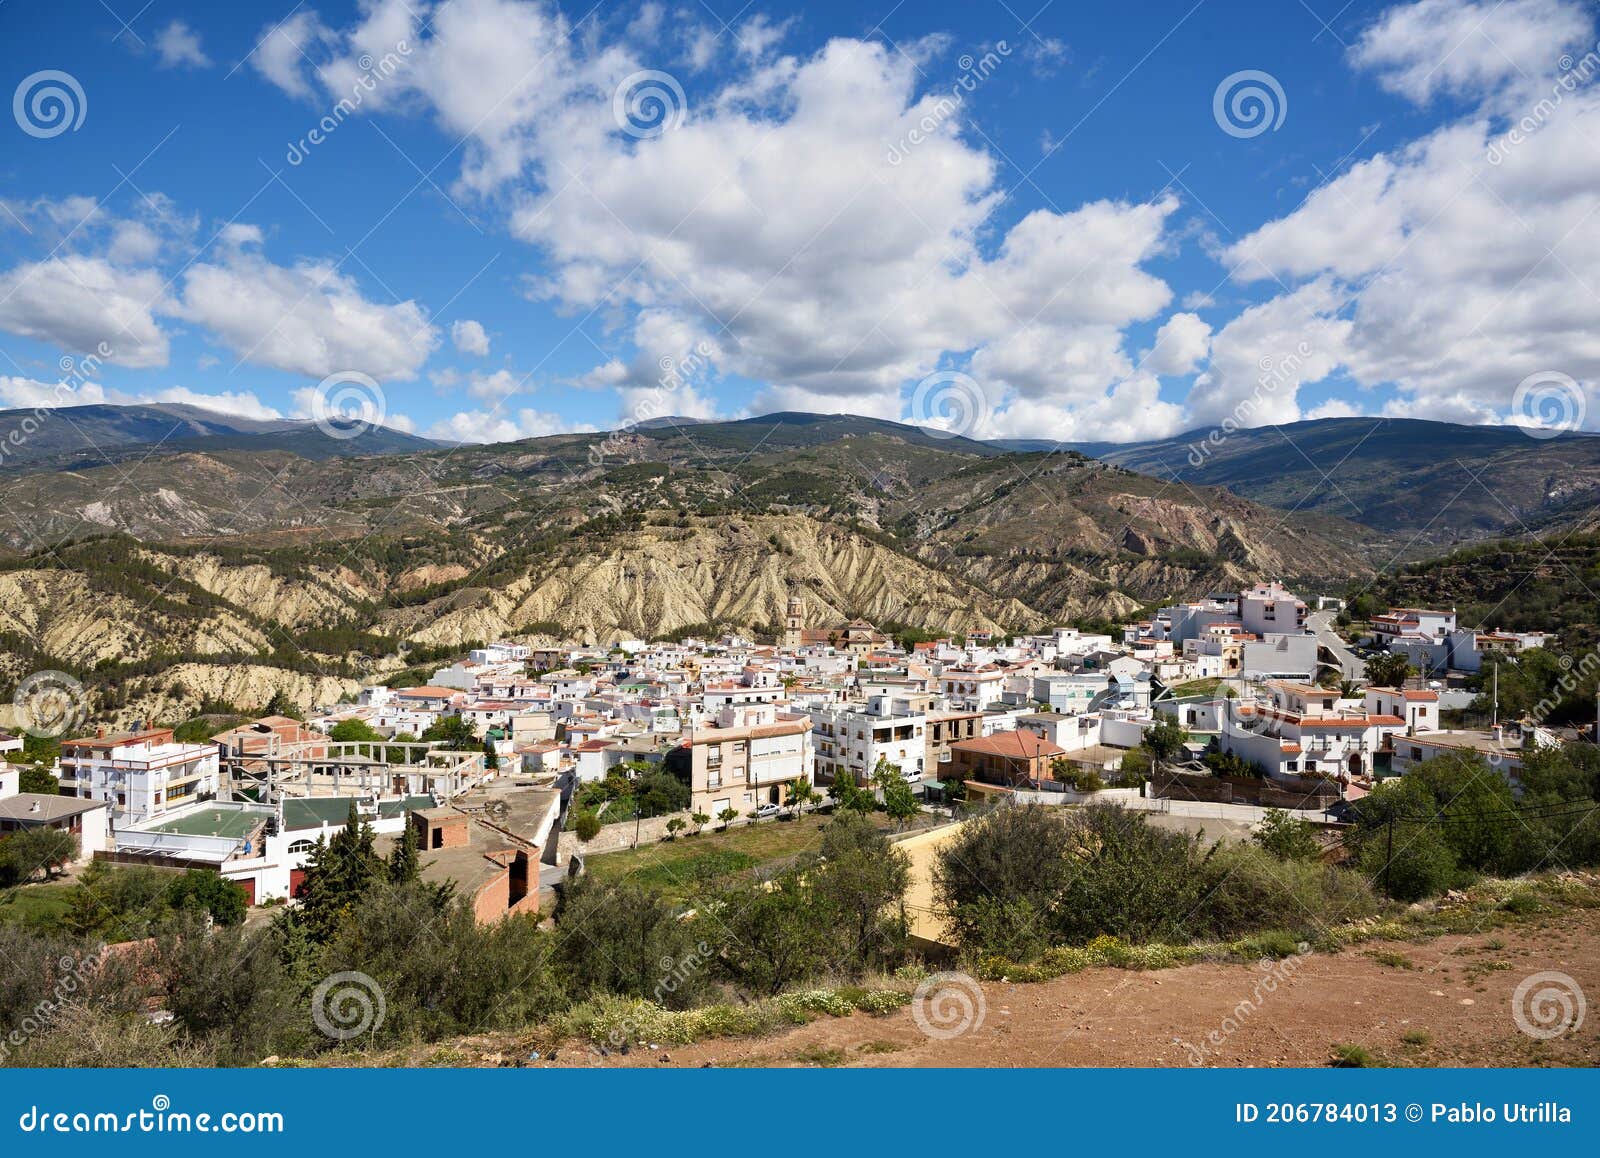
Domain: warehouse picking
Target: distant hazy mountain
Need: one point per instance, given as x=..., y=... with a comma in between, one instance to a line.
x=87, y=436
x=1437, y=481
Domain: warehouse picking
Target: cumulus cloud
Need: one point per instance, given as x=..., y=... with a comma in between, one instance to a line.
x=1469, y=47
x=469, y=337
x=308, y=318
x=1182, y=343
x=234, y=403
x=826, y=218
x=496, y=426
x=178, y=45
x=1455, y=266
x=79, y=303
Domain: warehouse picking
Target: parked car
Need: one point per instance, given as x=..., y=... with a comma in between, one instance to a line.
x=765, y=810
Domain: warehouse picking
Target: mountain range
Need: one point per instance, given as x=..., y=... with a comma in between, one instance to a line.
x=223, y=559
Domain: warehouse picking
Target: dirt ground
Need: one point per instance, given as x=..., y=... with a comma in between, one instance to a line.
x=1451, y=995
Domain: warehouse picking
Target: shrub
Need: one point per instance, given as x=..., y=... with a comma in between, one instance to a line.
x=1249, y=889
x=1287, y=837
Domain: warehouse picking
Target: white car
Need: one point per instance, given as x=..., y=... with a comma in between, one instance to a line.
x=765, y=810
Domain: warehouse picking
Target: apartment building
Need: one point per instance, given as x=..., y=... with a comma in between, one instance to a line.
x=854, y=738
x=1298, y=729
x=743, y=758
x=139, y=775
x=1271, y=608
x=944, y=729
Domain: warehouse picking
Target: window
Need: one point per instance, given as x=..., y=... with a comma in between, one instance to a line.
x=302, y=845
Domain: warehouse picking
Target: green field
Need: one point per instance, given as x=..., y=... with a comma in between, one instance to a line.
x=676, y=868
x=41, y=905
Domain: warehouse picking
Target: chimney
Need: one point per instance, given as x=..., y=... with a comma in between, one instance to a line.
x=100, y=732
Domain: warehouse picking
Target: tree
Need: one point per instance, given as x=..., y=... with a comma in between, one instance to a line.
x=200, y=890
x=353, y=732
x=676, y=825
x=848, y=796
x=657, y=792
x=1165, y=738
x=491, y=757
x=898, y=799
x=403, y=861
x=799, y=793
x=621, y=938
x=700, y=820
x=728, y=816
x=39, y=780
x=1388, y=670
x=1287, y=837
x=281, y=705
x=338, y=875
x=38, y=849
x=586, y=825
x=454, y=732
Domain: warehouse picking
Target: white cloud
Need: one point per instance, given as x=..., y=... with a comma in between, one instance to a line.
x=31, y=394
x=1182, y=343
x=78, y=303
x=307, y=319
x=774, y=217
x=1470, y=48
x=1459, y=264
x=469, y=337
x=235, y=404
x=283, y=48
x=493, y=387
x=495, y=426
x=179, y=45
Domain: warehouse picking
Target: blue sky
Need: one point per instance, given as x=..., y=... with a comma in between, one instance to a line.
x=1079, y=247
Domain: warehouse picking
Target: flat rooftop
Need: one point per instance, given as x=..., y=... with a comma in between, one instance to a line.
x=230, y=822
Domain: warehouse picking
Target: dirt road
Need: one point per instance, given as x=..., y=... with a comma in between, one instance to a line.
x=1440, y=1002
